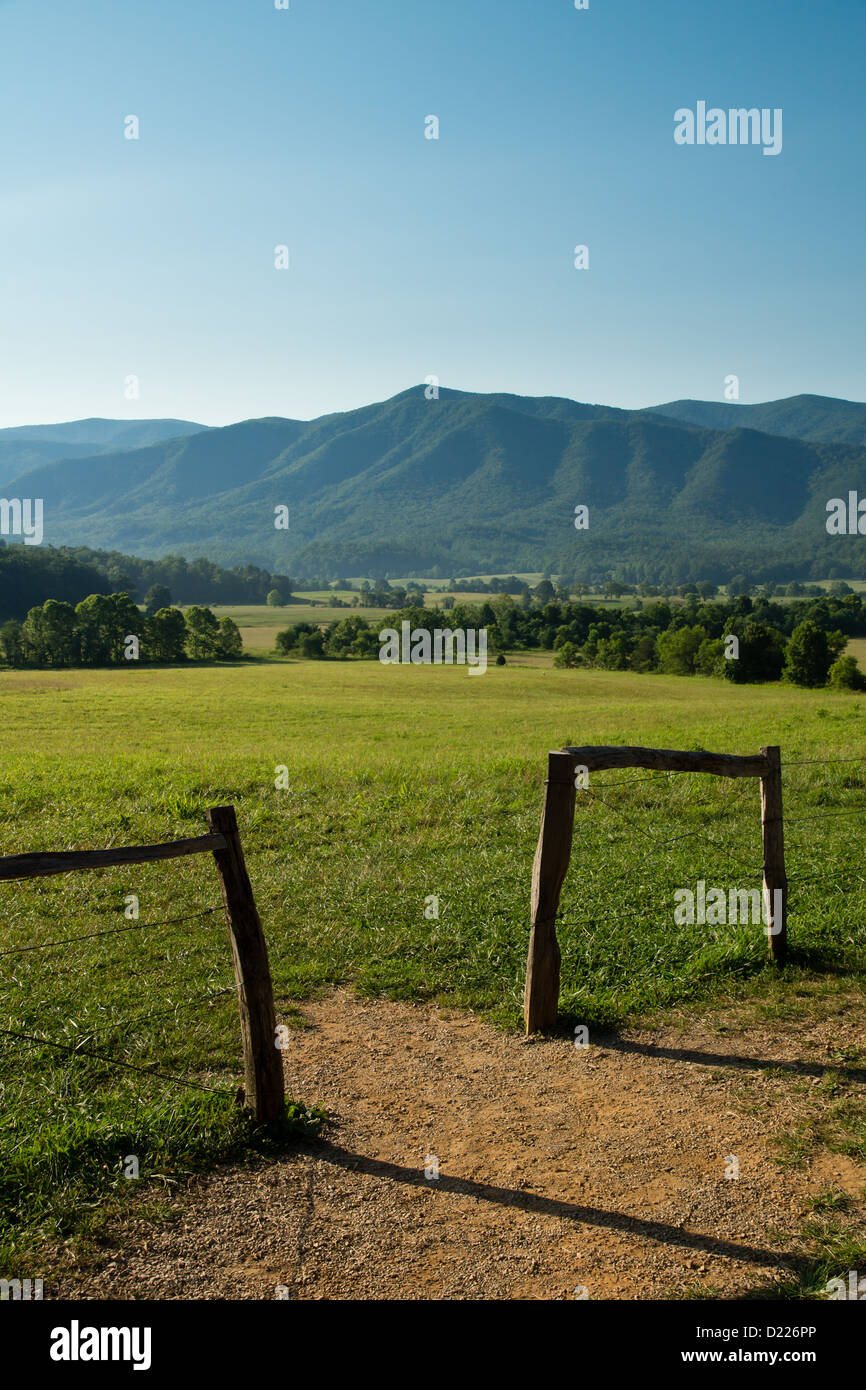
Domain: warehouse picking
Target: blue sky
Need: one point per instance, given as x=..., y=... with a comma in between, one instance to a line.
x=409, y=256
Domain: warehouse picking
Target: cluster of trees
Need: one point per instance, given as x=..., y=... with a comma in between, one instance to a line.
x=31, y=574
x=810, y=657
x=511, y=585
x=96, y=632
x=801, y=641
x=350, y=637
x=381, y=594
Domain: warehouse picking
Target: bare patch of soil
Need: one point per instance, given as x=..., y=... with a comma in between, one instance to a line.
x=560, y=1168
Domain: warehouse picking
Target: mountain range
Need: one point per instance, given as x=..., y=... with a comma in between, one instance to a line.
x=27, y=446
x=468, y=482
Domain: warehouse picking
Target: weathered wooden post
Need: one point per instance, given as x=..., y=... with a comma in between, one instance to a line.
x=541, y=996
x=263, y=1067
x=773, y=834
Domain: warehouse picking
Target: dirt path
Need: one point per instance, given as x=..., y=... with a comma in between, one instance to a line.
x=558, y=1167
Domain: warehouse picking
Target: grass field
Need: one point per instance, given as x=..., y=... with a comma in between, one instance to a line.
x=857, y=648
x=405, y=782
x=259, y=623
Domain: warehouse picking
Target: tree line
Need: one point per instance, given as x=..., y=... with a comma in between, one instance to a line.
x=801, y=642
x=29, y=575
x=97, y=632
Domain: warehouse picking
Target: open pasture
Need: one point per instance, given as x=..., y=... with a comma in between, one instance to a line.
x=260, y=623
x=405, y=784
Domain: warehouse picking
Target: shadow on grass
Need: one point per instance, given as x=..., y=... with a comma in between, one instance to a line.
x=807, y=962
x=825, y=960
x=838, y=1253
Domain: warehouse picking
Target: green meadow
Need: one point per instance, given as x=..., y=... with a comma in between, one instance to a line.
x=259, y=623
x=404, y=784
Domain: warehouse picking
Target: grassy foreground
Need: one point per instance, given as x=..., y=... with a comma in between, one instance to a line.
x=405, y=783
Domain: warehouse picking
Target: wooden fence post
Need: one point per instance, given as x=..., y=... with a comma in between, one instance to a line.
x=263, y=1066
x=541, y=996
x=773, y=834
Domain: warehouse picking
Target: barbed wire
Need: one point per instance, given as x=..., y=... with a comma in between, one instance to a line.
x=132, y=926
x=111, y=931
x=823, y=762
x=834, y=881
x=673, y=839
x=683, y=803
x=145, y=1015
x=726, y=790
x=630, y=781
x=112, y=1061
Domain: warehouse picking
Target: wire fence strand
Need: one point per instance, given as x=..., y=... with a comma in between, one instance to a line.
x=111, y=931
x=145, y=1015
x=823, y=762
x=111, y=1061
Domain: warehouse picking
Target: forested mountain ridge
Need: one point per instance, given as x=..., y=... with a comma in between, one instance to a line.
x=487, y=483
